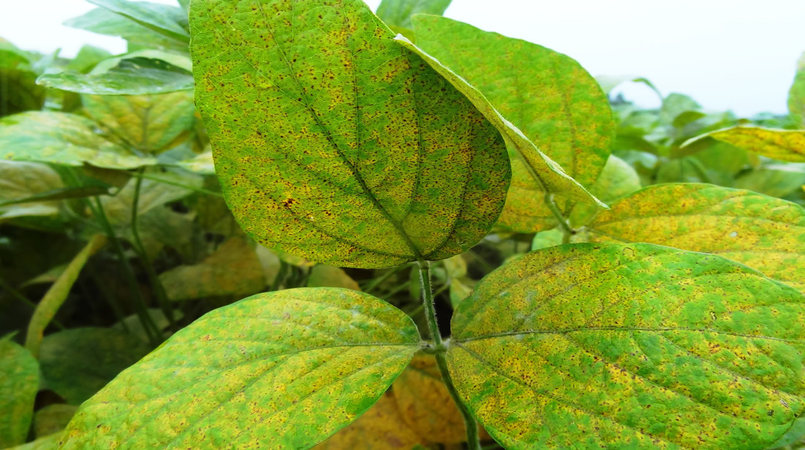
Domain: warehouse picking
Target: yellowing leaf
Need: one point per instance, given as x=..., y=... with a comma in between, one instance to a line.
x=549, y=96
x=762, y=232
x=148, y=123
x=425, y=405
x=299, y=365
x=328, y=276
x=334, y=143
x=380, y=428
x=19, y=180
x=18, y=385
x=52, y=419
x=233, y=270
x=618, y=179
x=61, y=138
x=785, y=145
x=630, y=346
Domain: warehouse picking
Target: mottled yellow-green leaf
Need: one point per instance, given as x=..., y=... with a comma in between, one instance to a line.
x=616, y=180
x=61, y=138
x=630, y=346
x=283, y=370
x=785, y=145
x=19, y=381
x=52, y=419
x=549, y=96
x=323, y=275
x=201, y=164
x=796, y=95
x=334, y=143
x=148, y=123
x=233, y=270
x=20, y=180
x=44, y=443
x=425, y=404
x=78, y=362
x=765, y=233
x=54, y=298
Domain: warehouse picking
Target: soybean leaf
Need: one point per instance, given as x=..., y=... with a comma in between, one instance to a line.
x=425, y=404
x=78, y=362
x=397, y=13
x=549, y=96
x=153, y=194
x=167, y=20
x=54, y=298
x=323, y=275
x=103, y=21
x=50, y=442
x=88, y=57
x=202, y=164
x=776, y=180
x=149, y=123
x=785, y=145
x=65, y=139
x=618, y=179
x=334, y=143
x=52, y=419
x=630, y=346
x=20, y=182
x=298, y=365
x=762, y=232
x=796, y=95
x=233, y=270
x=131, y=76
x=380, y=428
x=18, y=386
x=18, y=89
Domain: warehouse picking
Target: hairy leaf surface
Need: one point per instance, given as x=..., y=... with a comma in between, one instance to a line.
x=299, y=365
x=785, y=145
x=630, y=346
x=765, y=233
x=18, y=385
x=334, y=143
x=549, y=96
x=61, y=138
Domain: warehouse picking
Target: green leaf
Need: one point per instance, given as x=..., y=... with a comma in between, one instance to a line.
x=334, y=143
x=233, y=270
x=52, y=419
x=149, y=123
x=131, y=76
x=103, y=21
x=785, y=145
x=19, y=182
x=88, y=57
x=796, y=95
x=152, y=195
x=328, y=276
x=549, y=96
x=18, y=89
x=18, y=385
x=78, y=362
x=776, y=180
x=630, y=346
x=64, y=139
x=167, y=20
x=289, y=367
x=618, y=179
x=762, y=232
x=54, y=298
x=398, y=13
x=44, y=443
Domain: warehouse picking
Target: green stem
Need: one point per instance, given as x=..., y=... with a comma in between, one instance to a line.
x=568, y=231
x=473, y=440
x=153, y=279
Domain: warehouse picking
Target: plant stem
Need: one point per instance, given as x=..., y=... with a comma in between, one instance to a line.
x=473, y=441
x=568, y=231
x=153, y=279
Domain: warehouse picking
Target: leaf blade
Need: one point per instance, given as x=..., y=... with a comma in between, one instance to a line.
x=18, y=387
x=785, y=145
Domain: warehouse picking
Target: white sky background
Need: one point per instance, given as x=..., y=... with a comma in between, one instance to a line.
x=726, y=54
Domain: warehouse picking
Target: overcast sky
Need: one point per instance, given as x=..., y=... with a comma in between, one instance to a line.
x=727, y=54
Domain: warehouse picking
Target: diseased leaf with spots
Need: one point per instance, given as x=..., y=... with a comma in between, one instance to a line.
x=549, y=96
x=540, y=166
x=785, y=145
x=301, y=364
x=380, y=428
x=148, y=123
x=65, y=139
x=765, y=233
x=78, y=362
x=18, y=385
x=630, y=346
x=334, y=143
x=233, y=270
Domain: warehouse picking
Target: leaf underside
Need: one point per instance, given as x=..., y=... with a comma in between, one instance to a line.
x=334, y=143
x=630, y=346
x=765, y=233
x=299, y=365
